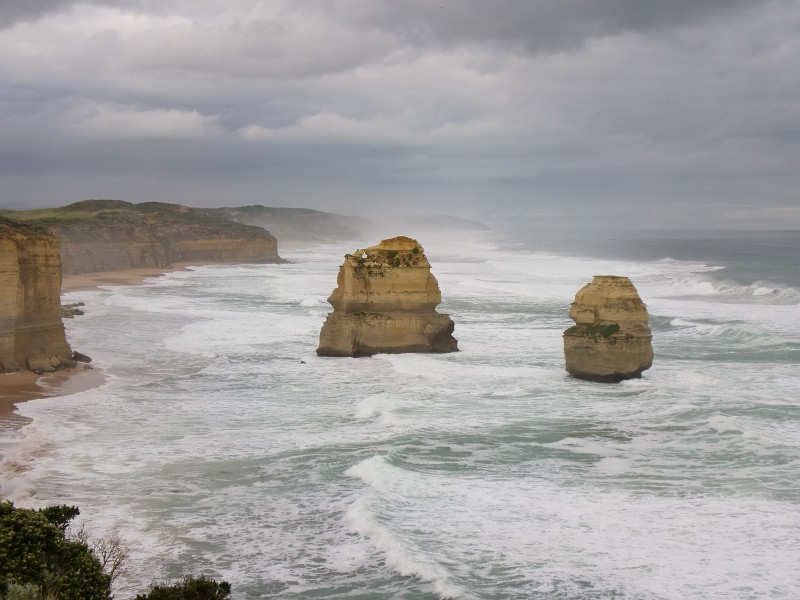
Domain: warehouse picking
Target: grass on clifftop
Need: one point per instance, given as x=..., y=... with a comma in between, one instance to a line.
x=86, y=215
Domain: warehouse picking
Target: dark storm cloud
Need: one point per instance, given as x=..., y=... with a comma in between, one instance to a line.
x=535, y=25
x=635, y=110
x=13, y=11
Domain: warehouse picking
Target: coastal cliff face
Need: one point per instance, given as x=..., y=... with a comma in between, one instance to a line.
x=611, y=339
x=31, y=331
x=385, y=302
x=110, y=235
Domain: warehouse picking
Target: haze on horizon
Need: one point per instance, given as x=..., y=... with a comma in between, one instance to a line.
x=610, y=112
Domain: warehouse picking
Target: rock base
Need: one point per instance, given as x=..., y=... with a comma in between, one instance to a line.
x=607, y=359
x=366, y=334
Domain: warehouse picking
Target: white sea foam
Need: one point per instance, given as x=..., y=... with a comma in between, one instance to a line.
x=221, y=443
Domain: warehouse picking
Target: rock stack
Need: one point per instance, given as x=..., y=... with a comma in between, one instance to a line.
x=31, y=331
x=385, y=302
x=611, y=339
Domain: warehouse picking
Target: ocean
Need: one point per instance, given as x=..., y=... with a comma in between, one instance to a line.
x=221, y=444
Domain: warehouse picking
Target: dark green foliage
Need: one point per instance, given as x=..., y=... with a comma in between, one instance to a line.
x=34, y=551
x=60, y=516
x=191, y=588
x=594, y=330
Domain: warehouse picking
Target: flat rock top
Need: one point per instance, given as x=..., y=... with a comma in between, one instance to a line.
x=399, y=242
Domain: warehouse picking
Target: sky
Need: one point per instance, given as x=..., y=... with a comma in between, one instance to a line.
x=628, y=113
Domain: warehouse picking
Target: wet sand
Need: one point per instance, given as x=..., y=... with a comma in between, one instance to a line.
x=90, y=281
x=19, y=387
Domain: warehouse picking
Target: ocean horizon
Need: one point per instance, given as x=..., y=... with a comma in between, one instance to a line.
x=221, y=444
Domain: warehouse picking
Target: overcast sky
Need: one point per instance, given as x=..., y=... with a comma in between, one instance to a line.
x=665, y=113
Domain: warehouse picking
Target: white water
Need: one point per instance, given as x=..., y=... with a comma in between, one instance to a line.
x=488, y=473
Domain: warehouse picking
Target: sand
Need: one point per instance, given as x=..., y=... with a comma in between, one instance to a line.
x=89, y=281
x=25, y=385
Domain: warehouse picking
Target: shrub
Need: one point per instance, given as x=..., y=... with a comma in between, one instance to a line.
x=36, y=555
x=191, y=588
x=594, y=330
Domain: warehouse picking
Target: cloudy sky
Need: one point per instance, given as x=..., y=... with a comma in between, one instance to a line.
x=636, y=112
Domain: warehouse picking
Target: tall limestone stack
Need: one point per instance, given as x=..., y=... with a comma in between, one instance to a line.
x=31, y=331
x=611, y=339
x=385, y=302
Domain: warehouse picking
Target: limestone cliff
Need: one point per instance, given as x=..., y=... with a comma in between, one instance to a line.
x=385, y=302
x=31, y=331
x=109, y=235
x=611, y=339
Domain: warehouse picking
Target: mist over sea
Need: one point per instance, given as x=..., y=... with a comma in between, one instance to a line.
x=221, y=444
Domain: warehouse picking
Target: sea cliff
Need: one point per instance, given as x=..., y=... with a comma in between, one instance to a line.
x=110, y=235
x=31, y=331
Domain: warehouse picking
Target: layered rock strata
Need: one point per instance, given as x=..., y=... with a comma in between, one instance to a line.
x=611, y=339
x=31, y=331
x=385, y=302
x=111, y=235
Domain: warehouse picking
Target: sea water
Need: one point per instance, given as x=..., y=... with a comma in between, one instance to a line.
x=221, y=444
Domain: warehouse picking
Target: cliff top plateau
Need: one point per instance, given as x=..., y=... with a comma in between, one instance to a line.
x=105, y=219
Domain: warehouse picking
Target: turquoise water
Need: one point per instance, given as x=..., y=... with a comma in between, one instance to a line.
x=222, y=444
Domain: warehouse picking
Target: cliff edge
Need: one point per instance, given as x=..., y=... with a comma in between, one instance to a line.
x=611, y=339
x=31, y=331
x=385, y=302
x=111, y=235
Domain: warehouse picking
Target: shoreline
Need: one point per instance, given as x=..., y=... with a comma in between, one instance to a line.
x=97, y=279
x=23, y=386
x=16, y=388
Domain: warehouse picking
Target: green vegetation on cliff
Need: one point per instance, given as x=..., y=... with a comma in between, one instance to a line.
x=108, y=218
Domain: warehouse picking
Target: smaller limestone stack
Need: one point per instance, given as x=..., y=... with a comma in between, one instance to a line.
x=611, y=339
x=31, y=331
x=385, y=302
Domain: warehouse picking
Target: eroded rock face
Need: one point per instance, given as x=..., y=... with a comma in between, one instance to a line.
x=611, y=338
x=385, y=302
x=111, y=235
x=31, y=331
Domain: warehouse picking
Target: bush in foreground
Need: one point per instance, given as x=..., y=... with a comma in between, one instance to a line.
x=37, y=557
x=40, y=560
x=191, y=588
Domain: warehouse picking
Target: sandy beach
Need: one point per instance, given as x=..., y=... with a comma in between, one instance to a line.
x=25, y=385
x=88, y=281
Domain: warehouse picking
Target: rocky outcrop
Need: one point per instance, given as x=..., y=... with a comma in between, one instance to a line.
x=611, y=339
x=110, y=235
x=31, y=331
x=385, y=302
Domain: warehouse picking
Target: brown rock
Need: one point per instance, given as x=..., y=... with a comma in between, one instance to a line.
x=611, y=339
x=31, y=331
x=385, y=302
